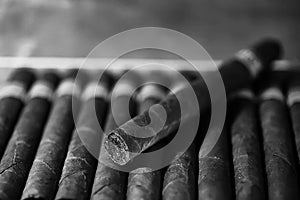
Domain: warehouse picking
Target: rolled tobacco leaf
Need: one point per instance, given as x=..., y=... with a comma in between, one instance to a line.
x=247, y=151
x=293, y=101
x=180, y=177
x=21, y=149
x=110, y=183
x=46, y=169
x=122, y=144
x=12, y=97
x=144, y=183
x=278, y=145
x=80, y=165
x=214, y=181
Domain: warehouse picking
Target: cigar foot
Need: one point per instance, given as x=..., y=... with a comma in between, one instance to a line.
x=117, y=148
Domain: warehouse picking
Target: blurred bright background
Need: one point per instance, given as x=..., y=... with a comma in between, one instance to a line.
x=72, y=28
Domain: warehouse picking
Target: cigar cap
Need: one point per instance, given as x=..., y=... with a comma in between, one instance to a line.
x=107, y=79
x=45, y=86
x=267, y=50
x=99, y=88
x=293, y=90
x=25, y=76
x=72, y=73
x=127, y=85
x=151, y=91
x=81, y=77
x=272, y=93
x=245, y=93
x=51, y=77
x=294, y=80
x=293, y=95
x=73, y=83
x=95, y=90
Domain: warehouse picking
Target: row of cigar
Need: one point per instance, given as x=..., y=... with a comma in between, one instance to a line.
x=44, y=157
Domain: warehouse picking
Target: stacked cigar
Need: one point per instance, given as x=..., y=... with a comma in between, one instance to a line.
x=66, y=135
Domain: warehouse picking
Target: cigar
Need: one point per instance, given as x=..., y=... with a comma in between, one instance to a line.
x=144, y=183
x=180, y=177
x=278, y=146
x=110, y=183
x=12, y=96
x=293, y=101
x=46, y=169
x=21, y=149
x=122, y=144
x=214, y=181
x=179, y=180
x=247, y=148
x=80, y=165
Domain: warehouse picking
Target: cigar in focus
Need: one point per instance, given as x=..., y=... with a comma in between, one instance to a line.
x=214, y=181
x=46, y=168
x=144, y=183
x=110, y=183
x=12, y=100
x=21, y=149
x=122, y=144
x=80, y=165
x=293, y=101
x=247, y=148
x=280, y=160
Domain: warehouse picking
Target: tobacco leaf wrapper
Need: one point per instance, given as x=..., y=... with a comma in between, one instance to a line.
x=80, y=165
x=21, y=149
x=277, y=139
x=293, y=101
x=214, y=181
x=12, y=100
x=111, y=183
x=144, y=183
x=246, y=147
x=46, y=169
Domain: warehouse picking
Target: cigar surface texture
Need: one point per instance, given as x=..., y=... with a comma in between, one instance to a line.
x=110, y=183
x=46, y=169
x=12, y=96
x=144, y=183
x=214, y=181
x=293, y=101
x=277, y=140
x=180, y=176
x=21, y=149
x=247, y=149
x=80, y=165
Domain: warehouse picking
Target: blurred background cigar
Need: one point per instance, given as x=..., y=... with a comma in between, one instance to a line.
x=46, y=169
x=247, y=151
x=110, y=183
x=280, y=162
x=21, y=149
x=293, y=101
x=80, y=165
x=145, y=183
x=122, y=144
x=12, y=100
